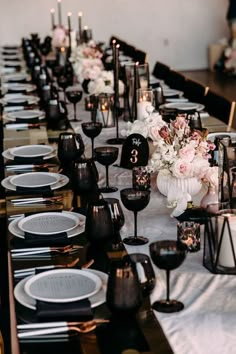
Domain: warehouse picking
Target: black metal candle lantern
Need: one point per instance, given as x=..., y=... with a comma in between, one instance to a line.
x=219, y=255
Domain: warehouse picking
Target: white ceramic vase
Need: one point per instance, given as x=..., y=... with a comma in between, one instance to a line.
x=190, y=185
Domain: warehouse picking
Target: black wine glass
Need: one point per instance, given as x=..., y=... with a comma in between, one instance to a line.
x=70, y=148
x=124, y=293
x=144, y=269
x=74, y=96
x=106, y=155
x=92, y=130
x=118, y=219
x=135, y=201
x=63, y=83
x=84, y=182
x=168, y=255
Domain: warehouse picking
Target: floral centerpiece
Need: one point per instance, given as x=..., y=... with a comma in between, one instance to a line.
x=180, y=155
x=86, y=61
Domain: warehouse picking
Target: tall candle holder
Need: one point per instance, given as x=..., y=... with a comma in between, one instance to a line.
x=80, y=14
x=220, y=241
x=145, y=99
x=117, y=140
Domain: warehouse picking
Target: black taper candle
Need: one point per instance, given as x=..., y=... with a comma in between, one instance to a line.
x=136, y=86
x=59, y=12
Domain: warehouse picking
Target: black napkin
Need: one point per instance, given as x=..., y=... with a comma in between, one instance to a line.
x=46, y=190
x=72, y=311
x=29, y=120
x=33, y=240
x=29, y=160
x=17, y=67
x=23, y=91
x=121, y=334
x=21, y=103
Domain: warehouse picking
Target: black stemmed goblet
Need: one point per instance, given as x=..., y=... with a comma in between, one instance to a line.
x=144, y=269
x=74, y=95
x=63, y=83
x=92, y=129
x=168, y=255
x=135, y=201
x=118, y=219
x=106, y=155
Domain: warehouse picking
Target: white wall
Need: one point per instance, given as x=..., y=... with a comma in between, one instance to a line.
x=176, y=32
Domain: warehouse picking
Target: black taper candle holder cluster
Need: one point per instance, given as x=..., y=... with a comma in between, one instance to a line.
x=115, y=52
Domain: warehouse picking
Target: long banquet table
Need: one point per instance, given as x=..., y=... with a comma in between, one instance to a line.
x=206, y=325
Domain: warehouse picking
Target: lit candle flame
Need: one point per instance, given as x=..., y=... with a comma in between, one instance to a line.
x=80, y=13
x=85, y=27
x=62, y=49
x=58, y=0
x=69, y=14
x=52, y=11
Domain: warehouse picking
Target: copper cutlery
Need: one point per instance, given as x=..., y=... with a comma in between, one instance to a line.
x=23, y=252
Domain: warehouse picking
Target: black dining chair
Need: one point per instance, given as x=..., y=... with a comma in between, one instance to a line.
x=175, y=80
x=160, y=70
x=195, y=91
x=221, y=108
x=140, y=56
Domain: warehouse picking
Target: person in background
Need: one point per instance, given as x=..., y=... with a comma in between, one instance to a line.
x=231, y=18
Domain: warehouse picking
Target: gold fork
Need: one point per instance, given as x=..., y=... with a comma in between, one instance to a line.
x=21, y=252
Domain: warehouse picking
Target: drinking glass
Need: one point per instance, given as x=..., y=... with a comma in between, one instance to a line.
x=92, y=129
x=74, y=96
x=135, y=201
x=99, y=227
x=144, y=269
x=106, y=155
x=168, y=255
x=70, y=147
x=117, y=216
x=124, y=293
x=84, y=181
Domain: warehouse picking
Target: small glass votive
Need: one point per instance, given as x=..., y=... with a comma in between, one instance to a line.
x=145, y=99
x=91, y=103
x=141, y=178
x=188, y=232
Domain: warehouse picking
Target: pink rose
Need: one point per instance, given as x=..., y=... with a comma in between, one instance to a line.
x=187, y=153
x=182, y=169
x=180, y=122
x=165, y=134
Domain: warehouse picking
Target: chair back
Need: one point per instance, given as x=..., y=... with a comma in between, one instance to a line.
x=160, y=70
x=195, y=91
x=175, y=80
x=221, y=108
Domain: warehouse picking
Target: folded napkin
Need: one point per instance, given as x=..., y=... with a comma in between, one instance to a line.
x=29, y=120
x=21, y=103
x=33, y=240
x=72, y=311
x=45, y=191
x=23, y=91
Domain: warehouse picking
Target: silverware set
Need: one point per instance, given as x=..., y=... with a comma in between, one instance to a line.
x=39, y=329
x=24, y=252
x=39, y=200
x=27, y=167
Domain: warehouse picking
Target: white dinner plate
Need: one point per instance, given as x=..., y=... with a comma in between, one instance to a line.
x=63, y=285
x=167, y=92
x=176, y=100
x=19, y=86
x=31, y=150
x=35, y=179
x=24, y=114
x=184, y=106
x=8, y=155
x=16, y=231
x=30, y=303
x=18, y=98
x=13, y=63
x=63, y=180
x=16, y=77
x=50, y=223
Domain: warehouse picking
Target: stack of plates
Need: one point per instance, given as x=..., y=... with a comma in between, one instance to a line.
x=50, y=223
x=30, y=151
x=62, y=286
x=19, y=99
x=33, y=180
x=16, y=77
x=24, y=115
x=183, y=106
x=18, y=87
x=168, y=92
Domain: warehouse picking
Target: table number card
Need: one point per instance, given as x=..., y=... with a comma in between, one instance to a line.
x=135, y=151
